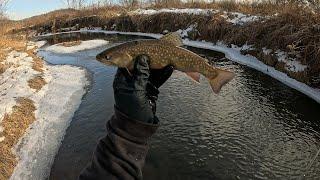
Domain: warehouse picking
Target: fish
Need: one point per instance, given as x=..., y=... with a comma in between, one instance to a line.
x=165, y=51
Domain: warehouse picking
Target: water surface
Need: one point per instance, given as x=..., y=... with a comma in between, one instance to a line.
x=256, y=128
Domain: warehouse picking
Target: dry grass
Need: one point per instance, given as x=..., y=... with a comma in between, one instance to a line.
x=295, y=31
x=13, y=43
x=15, y=125
x=37, y=61
x=37, y=82
x=9, y=42
x=266, y=8
x=63, y=15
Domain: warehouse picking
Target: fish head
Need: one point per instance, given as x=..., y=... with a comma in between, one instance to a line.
x=115, y=58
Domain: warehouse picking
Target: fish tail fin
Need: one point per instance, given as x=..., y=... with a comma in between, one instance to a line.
x=221, y=79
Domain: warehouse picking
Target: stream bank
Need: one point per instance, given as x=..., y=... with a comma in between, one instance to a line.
x=266, y=130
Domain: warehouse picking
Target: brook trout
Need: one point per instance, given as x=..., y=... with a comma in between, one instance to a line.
x=166, y=51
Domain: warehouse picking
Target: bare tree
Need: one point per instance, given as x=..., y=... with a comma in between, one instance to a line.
x=3, y=7
x=75, y=4
x=129, y=2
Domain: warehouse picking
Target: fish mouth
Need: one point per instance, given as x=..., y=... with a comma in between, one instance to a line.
x=99, y=57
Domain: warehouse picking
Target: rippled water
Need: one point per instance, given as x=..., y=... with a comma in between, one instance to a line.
x=256, y=128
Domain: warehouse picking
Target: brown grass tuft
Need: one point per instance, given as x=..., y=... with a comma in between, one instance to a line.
x=37, y=61
x=3, y=68
x=12, y=42
x=7, y=43
x=15, y=125
x=37, y=82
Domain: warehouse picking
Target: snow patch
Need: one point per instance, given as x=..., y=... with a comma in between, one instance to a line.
x=55, y=105
x=58, y=48
x=239, y=18
x=266, y=51
x=243, y=48
x=174, y=10
x=14, y=81
x=185, y=32
x=253, y=62
x=40, y=44
x=291, y=64
x=235, y=18
x=91, y=28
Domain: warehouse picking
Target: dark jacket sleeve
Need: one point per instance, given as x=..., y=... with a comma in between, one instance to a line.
x=121, y=154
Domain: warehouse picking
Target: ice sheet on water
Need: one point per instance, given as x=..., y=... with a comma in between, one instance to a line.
x=58, y=48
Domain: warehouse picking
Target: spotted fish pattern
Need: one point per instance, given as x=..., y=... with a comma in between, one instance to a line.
x=163, y=52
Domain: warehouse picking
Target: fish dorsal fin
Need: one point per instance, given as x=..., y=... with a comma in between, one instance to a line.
x=173, y=38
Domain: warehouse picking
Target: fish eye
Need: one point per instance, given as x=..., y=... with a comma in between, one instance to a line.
x=108, y=57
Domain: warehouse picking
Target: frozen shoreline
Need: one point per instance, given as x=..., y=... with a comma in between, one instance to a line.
x=231, y=53
x=91, y=44
x=55, y=105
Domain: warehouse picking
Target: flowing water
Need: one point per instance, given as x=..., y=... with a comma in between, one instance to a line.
x=256, y=128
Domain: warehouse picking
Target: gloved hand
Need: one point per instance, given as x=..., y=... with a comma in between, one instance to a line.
x=135, y=95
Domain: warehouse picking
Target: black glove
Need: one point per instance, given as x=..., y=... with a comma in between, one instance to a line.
x=135, y=95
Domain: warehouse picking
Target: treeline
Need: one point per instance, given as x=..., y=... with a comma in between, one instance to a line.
x=78, y=4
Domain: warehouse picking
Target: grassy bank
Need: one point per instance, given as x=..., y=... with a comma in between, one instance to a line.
x=290, y=28
x=15, y=125
x=17, y=122
x=9, y=42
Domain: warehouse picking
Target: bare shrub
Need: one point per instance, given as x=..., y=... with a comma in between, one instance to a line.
x=75, y=4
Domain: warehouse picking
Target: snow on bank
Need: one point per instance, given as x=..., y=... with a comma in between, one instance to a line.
x=55, y=105
x=239, y=18
x=38, y=44
x=291, y=63
x=233, y=54
x=58, y=48
x=235, y=18
x=184, y=33
x=253, y=62
x=173, y=10
x=14, y=82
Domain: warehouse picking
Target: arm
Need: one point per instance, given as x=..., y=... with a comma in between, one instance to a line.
x=121, y=154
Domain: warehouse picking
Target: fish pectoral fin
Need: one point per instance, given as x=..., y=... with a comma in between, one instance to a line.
x=220, y=80
x=194, y=76
x=173, y=38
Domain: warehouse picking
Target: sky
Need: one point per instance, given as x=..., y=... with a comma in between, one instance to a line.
x=19, y=9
